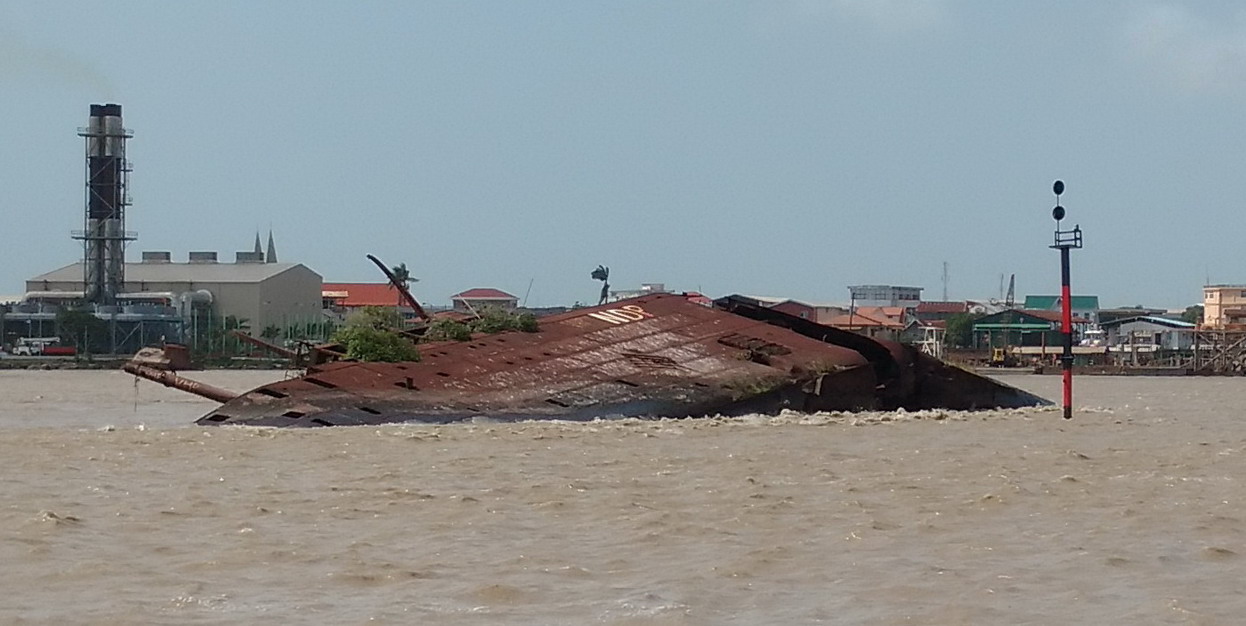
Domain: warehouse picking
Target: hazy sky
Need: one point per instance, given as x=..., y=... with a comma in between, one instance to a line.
x=774, y=147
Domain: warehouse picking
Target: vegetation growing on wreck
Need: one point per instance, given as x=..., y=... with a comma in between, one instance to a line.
x=369, y=335
x=491, y=321
x=749, y=387
x=372, y=334
x=817, y=368
x=448, y=330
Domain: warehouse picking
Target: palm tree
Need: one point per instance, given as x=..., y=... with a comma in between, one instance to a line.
x=602, y=273
x=403, y=276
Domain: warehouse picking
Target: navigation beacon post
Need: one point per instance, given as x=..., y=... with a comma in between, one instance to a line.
x=1065, y=240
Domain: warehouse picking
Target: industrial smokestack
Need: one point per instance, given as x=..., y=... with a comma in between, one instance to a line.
x=107, y=176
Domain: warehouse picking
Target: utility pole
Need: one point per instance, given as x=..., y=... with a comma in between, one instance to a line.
x=1065, y=240
x=945, y=281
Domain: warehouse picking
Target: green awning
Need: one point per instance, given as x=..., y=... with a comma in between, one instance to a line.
x=1021, y=326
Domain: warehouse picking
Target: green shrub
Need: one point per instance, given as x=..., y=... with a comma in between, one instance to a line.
x=490, y=322
x=371, y=335
x=364, y=343
x=448, y=330
x=495, y=321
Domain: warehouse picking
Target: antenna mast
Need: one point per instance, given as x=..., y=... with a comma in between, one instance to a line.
x=945, y=281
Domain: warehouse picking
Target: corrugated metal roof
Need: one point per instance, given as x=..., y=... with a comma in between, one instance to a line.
x=179, y=272
x=895, y=313
x=362, y=294
x=1081, y=303
x=943, y=307
x=1162, y=321
x=767, y=300
x=1012, y=326
x=483, y=293
x=1055, y=316
x=860, y=319
x=1018, y=319
x=804, y=303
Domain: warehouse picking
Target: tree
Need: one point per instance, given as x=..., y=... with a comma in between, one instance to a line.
x=215, y=336
x=959, y=330
x=377, y=317
x=369, y=336
x=83, y=330
x=491, y=321
x=271, y=332
x=365, y=343
x=495, y=320
x=1193, y=314
x=403, y=276
x=448, y=330
x=602, y=273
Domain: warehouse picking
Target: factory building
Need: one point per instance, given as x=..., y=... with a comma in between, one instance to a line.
x=264, y=294
x=156, y=299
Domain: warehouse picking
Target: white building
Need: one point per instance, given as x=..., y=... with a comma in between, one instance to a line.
x=885, y=295
x=264, y=294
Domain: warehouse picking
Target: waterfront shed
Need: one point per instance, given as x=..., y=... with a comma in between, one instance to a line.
x=1148, y=333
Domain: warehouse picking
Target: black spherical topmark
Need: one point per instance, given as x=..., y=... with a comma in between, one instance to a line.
x=1058, y=212
x=1058, y=188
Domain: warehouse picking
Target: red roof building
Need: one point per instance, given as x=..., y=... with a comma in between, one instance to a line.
x=473, y=300
x=958, y=306
x=698, y=298
x=355, y=295
x=886, y=322
x=346, y=298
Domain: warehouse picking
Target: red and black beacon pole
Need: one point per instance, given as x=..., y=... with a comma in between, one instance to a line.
x=1065, y=240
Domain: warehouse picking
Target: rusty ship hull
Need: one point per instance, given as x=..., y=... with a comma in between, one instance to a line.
x=654, y=356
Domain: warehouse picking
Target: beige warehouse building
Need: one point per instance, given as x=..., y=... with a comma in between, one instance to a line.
x=265, y=294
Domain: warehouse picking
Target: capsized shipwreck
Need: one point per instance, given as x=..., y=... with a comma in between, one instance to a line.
x=655, y=356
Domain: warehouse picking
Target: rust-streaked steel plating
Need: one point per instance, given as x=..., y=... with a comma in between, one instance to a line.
x=658, y=355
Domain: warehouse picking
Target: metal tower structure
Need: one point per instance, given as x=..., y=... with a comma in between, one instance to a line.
x=104, y=236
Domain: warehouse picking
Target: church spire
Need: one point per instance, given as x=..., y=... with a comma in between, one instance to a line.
x=271, y=257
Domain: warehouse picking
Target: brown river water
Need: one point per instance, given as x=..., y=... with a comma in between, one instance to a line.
x=114, y=509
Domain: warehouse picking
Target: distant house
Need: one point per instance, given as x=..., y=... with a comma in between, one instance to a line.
x=1122, y=313
x=1148, y=333
x=474, y=300
x=697, y=297
x=885, y=295
x=820, y=313
x=1224, y=305
x=1084, y=307
x=350, y=296
x=342, y=299
x=644, y=290
x=880, y=322
x=762, y=301
x=1017, y=327
x=941, y=311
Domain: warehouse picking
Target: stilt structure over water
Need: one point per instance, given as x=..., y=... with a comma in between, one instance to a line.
x=1219, y=351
